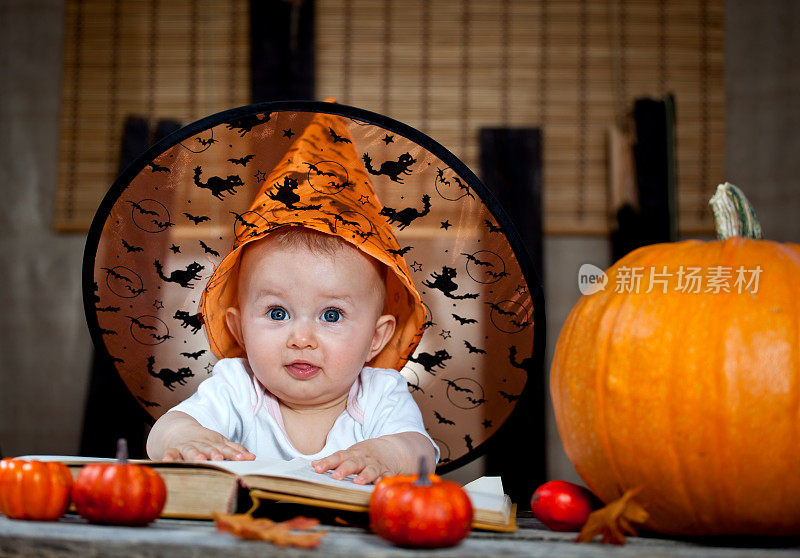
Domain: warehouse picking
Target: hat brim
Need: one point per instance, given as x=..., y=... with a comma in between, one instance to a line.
x=485, y=314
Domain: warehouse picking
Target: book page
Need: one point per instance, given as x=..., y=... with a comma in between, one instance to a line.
x=487, y=493
x=297, y=468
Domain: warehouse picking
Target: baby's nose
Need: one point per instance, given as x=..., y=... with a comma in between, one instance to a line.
x=302, y=336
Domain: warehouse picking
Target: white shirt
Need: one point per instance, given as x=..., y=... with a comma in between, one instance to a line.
x=233, y=403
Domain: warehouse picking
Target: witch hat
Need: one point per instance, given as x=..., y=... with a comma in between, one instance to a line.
x=322, y=185
x=163, y=247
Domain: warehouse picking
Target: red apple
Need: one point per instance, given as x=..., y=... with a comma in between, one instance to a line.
x=562, y=505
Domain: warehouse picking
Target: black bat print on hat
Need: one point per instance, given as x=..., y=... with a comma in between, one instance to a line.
x=157, y=168
x=242, y=160
x=147, y=403
x=441, y=419
x=123, y=282
x=150, y=215
x=197, y=219
x=450, y=187
x=464, y=321
x=465, y=393
x=337, y=138
x=208, y=249
x=148, y=329
x=130, y=248
x=455, y=386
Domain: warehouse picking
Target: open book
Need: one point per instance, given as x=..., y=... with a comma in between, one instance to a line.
x=196, y=489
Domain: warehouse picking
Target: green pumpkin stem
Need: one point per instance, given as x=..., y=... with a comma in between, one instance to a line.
x=733, y=214
x=122, y=451
x=422, y=478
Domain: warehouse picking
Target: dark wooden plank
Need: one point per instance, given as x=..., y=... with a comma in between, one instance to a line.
x=511, y=167
x=282, y=50
x=656, y=218
x=135, y=140
x=165, y=128
x=652, y=153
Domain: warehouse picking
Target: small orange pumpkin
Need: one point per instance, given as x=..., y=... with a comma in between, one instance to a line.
x=420, y=511
x=119, y=493
x=692, y=396
x=34, y=489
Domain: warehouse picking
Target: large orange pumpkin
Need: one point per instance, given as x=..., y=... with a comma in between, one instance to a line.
x=692, y=396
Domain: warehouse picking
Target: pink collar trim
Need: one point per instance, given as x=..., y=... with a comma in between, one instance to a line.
x=273, y=408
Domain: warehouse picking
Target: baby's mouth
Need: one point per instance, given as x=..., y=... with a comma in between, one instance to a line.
x=302, y=370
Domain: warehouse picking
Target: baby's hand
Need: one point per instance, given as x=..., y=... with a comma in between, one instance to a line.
x=370, y=460
x=177, y=436
x=210, y=446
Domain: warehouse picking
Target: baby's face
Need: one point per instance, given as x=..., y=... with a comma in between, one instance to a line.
x=308, y=321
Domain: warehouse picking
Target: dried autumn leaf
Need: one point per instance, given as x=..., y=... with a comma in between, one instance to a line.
x=247, y=527
x=614, y=520
x=301, y=523
x=235, y=524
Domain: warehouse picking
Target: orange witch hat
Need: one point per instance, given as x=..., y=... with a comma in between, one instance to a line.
x=166, y=240
x=322, y=185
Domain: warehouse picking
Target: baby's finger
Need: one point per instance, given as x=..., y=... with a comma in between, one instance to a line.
x=213, y=452
x=330, y=462
x=233, y=452
x=238, y=452
x=349, y=466
x=193, y=454
x=368, y=474
x=198, y=452
x=172, y=454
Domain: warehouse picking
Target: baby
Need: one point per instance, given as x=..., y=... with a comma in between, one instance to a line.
x=310, y=312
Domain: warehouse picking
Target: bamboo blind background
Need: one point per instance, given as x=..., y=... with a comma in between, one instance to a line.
x=447, y=67
x=159, y=59
x=572, y=67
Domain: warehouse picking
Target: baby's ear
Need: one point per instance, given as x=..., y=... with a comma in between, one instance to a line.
x=384, y=329
x=233, y=319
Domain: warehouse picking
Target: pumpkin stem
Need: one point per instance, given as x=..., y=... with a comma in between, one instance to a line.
x=422, y=478
x=733, y=214
x=122, y=450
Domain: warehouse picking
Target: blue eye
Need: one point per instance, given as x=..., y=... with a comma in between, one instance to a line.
x=331, y=315
x=278, y=314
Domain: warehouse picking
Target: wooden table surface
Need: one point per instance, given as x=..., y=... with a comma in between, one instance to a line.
x=71, y=536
